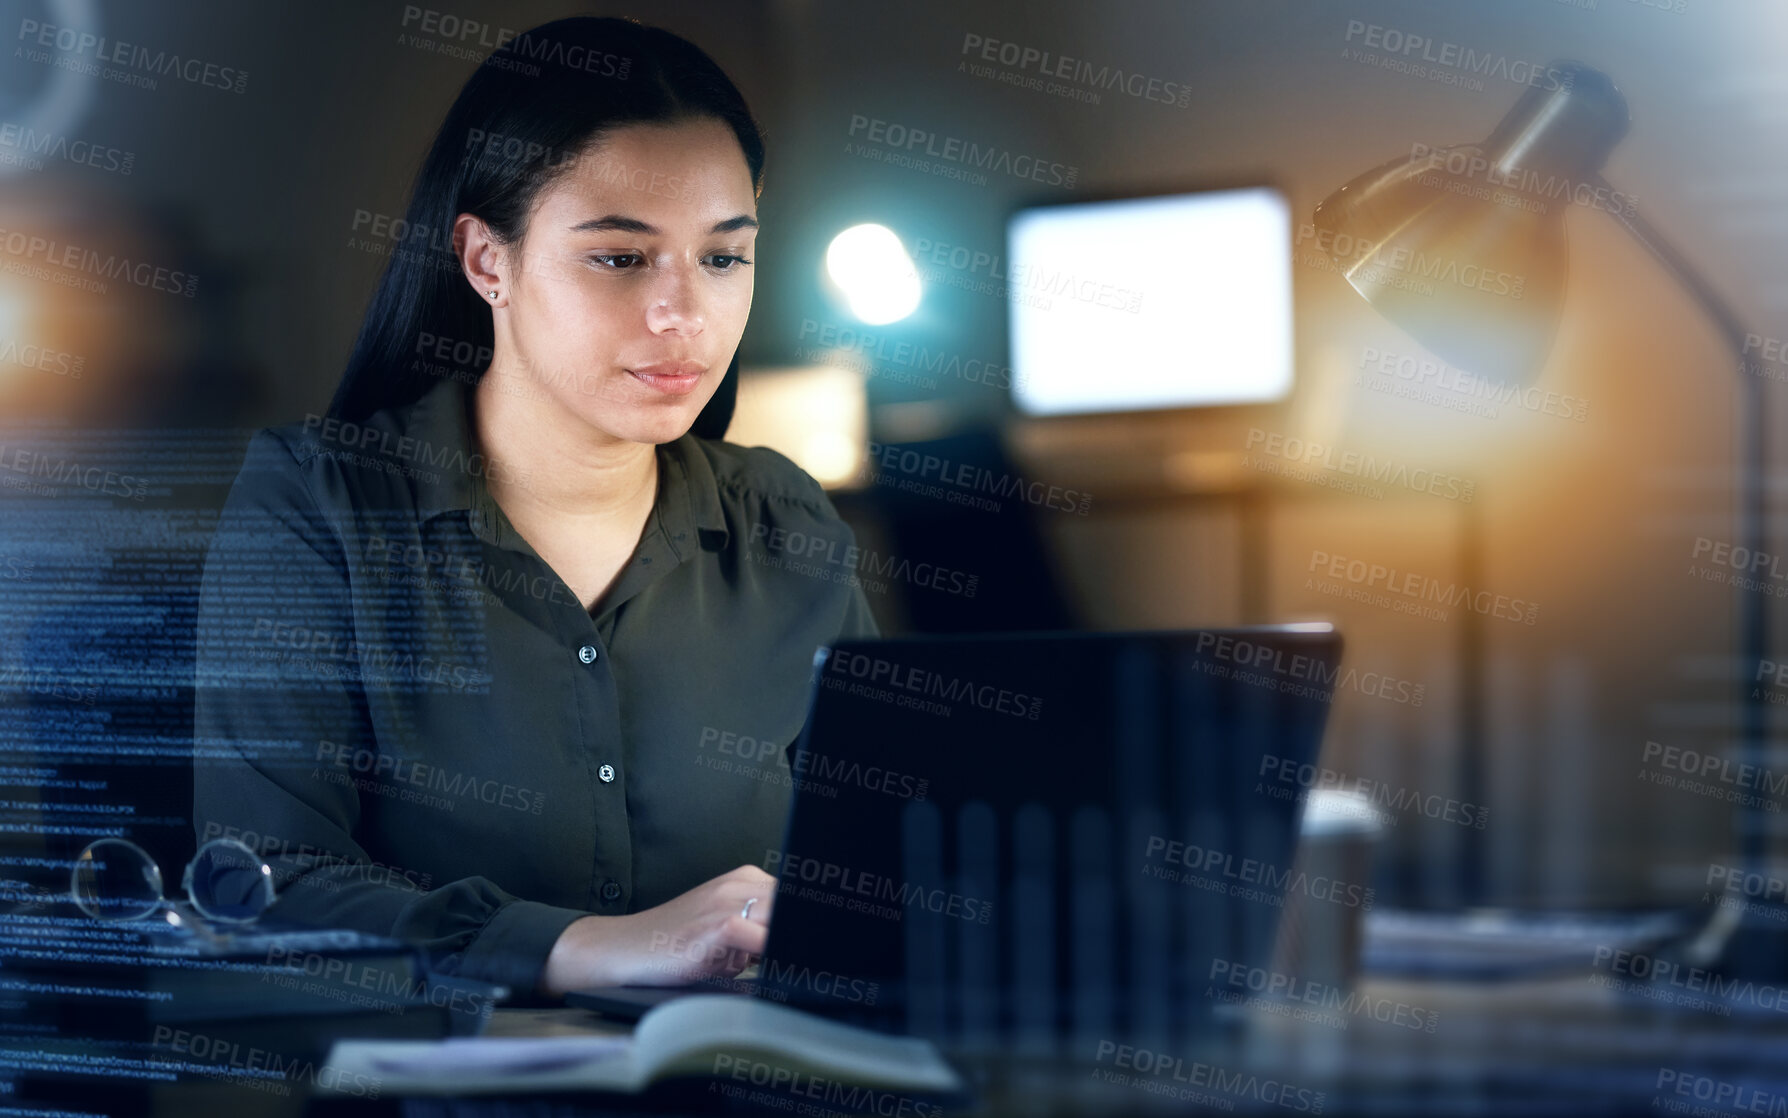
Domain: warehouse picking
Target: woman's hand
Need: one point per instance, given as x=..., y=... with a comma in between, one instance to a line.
x=698, y=935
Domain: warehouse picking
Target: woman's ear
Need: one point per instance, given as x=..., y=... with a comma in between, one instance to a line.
x=481, y=259
x=717, y=415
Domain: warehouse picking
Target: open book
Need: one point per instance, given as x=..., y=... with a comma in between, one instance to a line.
x=746, y=1041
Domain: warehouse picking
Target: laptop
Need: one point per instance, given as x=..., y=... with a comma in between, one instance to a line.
x=995, y=837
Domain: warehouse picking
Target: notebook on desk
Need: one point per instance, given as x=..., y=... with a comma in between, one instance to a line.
x=745, y=1047
x=1040, y=835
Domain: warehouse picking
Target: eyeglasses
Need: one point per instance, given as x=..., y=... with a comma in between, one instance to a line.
x=226, y=881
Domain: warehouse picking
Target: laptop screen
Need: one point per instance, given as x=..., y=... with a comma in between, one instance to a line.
x=1042, y=835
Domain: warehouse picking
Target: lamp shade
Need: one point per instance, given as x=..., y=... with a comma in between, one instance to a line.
x=1464, y=247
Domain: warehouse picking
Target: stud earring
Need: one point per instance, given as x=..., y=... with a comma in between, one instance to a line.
x=493, y=294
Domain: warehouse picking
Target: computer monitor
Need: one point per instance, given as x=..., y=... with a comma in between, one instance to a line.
x=1168, y=301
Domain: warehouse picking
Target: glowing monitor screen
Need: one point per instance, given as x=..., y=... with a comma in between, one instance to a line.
x=1166, y=302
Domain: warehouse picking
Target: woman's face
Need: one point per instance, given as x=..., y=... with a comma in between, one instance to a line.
x=634, y=279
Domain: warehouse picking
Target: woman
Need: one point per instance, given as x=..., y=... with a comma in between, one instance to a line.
x=502, y=655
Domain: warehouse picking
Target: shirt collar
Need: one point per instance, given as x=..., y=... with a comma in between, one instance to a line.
x=689, y=502
x=691, y=497
x=442, y=418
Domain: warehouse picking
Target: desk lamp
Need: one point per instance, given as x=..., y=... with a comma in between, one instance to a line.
x=1488, y=221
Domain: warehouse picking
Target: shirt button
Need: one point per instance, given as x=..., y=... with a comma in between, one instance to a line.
x=607, y=774
x=611, y=891
x=587, y=654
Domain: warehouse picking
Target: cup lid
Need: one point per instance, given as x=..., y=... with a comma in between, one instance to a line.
x=1334, y=811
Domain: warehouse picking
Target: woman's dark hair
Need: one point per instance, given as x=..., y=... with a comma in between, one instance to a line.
x=532, y=109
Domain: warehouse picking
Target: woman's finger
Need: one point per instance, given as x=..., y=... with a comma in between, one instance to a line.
x=744, y=935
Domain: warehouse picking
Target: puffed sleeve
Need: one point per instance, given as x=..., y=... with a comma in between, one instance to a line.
x=275, y=675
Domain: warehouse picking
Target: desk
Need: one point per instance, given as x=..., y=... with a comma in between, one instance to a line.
x=1569, y=1044
x=1560, y=1045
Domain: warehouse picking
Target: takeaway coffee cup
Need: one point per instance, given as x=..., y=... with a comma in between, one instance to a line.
x=1321, y=926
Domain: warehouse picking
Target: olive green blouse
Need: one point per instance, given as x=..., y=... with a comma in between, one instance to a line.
x=425, y=733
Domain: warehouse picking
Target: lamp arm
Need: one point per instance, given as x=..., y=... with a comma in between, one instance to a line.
x=1731, y=328
x=1753, y=607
